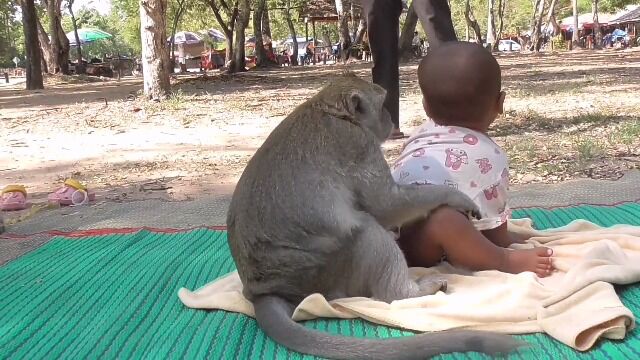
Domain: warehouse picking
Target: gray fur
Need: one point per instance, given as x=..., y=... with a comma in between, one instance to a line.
x=311, y=214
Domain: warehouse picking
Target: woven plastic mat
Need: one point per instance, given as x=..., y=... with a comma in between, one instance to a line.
x=112, y=294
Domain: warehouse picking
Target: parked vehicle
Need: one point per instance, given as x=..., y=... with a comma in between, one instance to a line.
x=509, y=45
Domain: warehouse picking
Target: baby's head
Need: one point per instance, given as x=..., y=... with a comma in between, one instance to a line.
x=461, y=85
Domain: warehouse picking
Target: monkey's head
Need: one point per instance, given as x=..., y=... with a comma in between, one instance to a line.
x=358, y=101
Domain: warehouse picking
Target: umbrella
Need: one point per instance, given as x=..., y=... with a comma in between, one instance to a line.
x=214, y=34
x=186, y=37
x=87, y=35
x=252, y=40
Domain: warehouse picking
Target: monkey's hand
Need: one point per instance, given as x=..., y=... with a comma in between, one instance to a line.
x=463, y=204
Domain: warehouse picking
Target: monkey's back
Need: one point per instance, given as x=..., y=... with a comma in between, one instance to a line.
x=293, y=207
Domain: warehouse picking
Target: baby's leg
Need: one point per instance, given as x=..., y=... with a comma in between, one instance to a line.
x=501, y=236
x=449, y=232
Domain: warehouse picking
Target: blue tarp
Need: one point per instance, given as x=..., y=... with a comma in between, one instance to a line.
x=618, y=32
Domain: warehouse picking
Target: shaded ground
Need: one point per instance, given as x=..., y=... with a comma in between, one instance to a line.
x=569, y=115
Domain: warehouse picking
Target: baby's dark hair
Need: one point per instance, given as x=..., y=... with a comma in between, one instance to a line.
x=460, y=82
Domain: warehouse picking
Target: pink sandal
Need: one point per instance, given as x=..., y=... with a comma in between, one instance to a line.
x=72, y=193
x=14, y=197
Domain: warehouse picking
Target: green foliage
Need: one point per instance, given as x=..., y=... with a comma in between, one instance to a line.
x=517, y=17
x=121, y=43
x=124, y=22
x=559, y=43
x=11, y=36
x=127, y=16
x=614, y=5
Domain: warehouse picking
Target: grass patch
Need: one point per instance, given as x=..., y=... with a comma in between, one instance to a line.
x=628, y=134
x=518, y=122
x=590, y=118
x=175, y=101
x=551, y=168
x=588, y=149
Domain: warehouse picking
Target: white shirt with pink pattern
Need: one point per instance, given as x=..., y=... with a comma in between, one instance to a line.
x=462, y=158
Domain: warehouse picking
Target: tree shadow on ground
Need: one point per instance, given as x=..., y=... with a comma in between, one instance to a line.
x=535, y=122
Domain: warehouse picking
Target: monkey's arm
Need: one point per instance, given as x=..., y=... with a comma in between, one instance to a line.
x=394, y=205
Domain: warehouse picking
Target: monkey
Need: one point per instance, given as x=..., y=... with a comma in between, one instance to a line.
x=312, y=213
x=119, y=66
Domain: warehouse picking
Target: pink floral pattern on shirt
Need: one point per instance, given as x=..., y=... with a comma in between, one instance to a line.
x=463, y=159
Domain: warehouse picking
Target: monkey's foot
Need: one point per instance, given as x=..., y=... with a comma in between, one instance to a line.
x=537, y=260
x=429, y=286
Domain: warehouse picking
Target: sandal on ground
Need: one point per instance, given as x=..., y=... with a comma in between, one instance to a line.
x=71, y=193
x=13, y=197
x=397, y=135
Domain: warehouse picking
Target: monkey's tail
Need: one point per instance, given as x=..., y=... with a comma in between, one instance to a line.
x=274, y=317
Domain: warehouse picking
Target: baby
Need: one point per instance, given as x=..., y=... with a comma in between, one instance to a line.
x=461, y=88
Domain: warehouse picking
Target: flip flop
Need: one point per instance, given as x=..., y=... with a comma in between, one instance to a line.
x=71, y=193
x=397, y=135
x=14, y=197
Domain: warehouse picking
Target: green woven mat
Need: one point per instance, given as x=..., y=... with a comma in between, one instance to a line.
x=114, y=296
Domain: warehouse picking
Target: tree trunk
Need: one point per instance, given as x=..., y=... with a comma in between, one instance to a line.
x=551, y=20
x=362, y=28
x=45, y=47
x=155, y=58
x=80, y=69
x=502, y=4
x=472, y=22
x=32, y=48
x=227, y=27
x=261, y=54
x=491, y=25
x=44, y=67
x=238, y=63
x=536, y=32
x=596, y=26
x=557, y=29
x=59, y=41
x=174, y=27
x=266, y=22
x=65, y=48
x=354, y=22
x=326, y=38
x=266, y=27
x=575, y=39
x=228, y=51
x=292, y=30
x=406, y=35
x=53, y=34
x=345, y=36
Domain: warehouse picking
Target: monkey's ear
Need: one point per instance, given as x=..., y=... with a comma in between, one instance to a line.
x=355, y=103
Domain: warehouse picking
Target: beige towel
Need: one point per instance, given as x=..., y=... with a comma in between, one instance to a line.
x=576, y=305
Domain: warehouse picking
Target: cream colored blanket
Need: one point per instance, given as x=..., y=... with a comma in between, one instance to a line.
x=577, y=305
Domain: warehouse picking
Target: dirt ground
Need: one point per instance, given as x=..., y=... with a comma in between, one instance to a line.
x=567, y=115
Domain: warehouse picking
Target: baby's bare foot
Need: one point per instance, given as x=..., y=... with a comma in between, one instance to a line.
x=537, y=260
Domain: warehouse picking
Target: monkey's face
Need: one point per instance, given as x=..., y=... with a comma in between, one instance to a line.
x=378, y=119
x=368, y=108
x=386, y=125
x=363, y=103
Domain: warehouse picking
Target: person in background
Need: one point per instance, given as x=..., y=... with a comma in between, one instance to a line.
x=383, y=24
